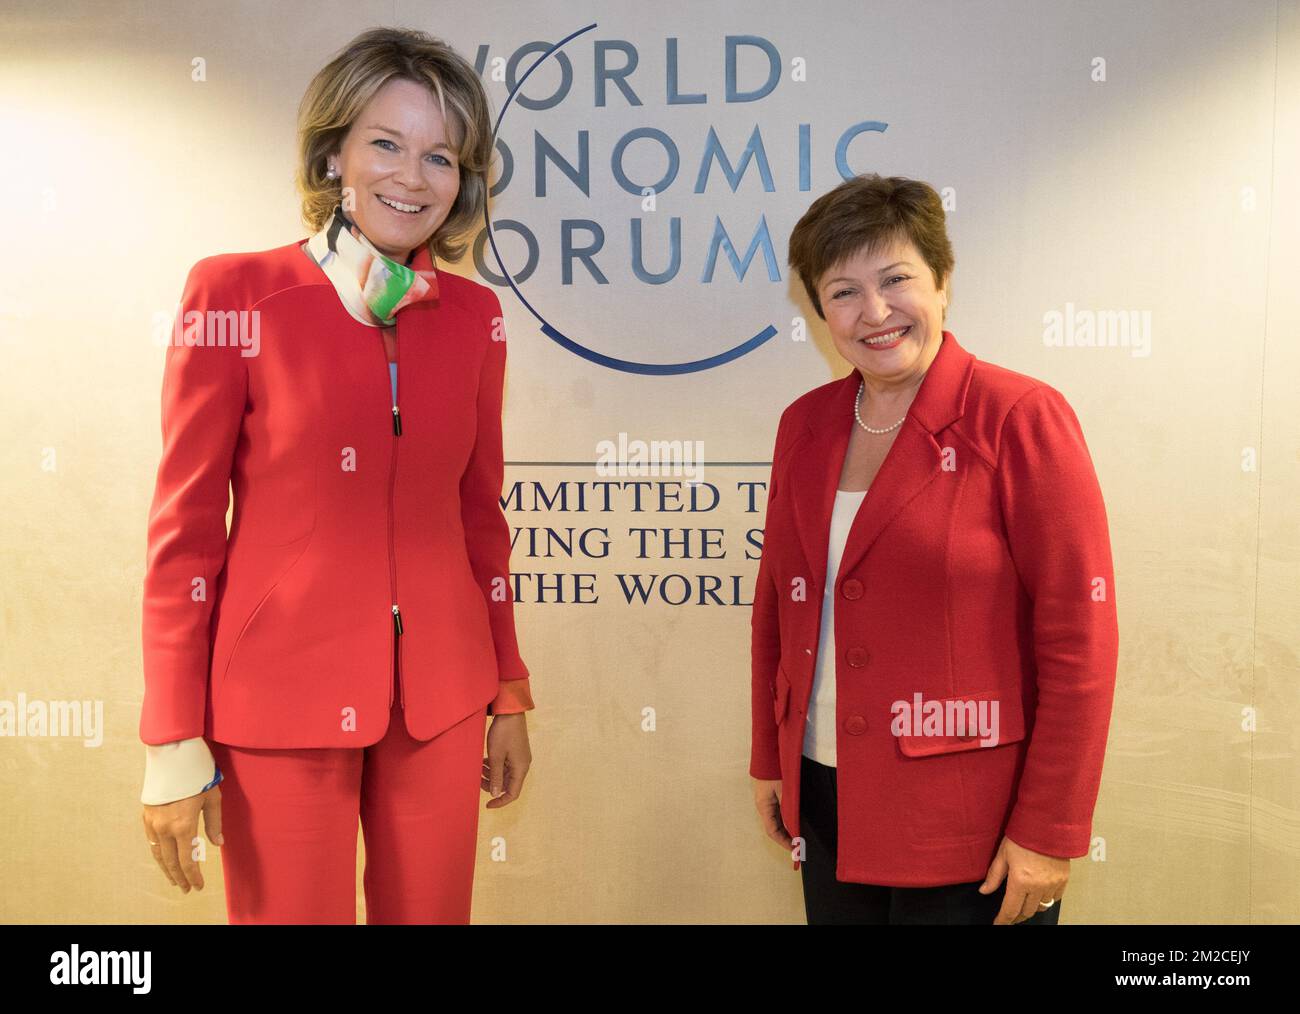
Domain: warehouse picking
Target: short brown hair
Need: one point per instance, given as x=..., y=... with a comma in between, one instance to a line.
x=869, y=212
x=341, y=89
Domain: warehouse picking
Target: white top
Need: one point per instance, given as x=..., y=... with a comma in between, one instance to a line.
x=177, y=770
x=819, y=733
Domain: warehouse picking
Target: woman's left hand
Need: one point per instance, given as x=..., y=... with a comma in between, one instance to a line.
x=1031, y=877
x=507, y=760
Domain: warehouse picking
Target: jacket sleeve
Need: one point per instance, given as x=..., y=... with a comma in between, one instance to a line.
x=487, y=535
x=204, y=390
x=1057, y=531
x=765, y=644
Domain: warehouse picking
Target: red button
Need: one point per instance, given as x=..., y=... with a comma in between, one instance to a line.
x=855, y=725
x=857, y=657
x=852, y=588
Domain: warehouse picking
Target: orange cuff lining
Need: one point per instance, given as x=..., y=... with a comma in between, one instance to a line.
x=513, y=696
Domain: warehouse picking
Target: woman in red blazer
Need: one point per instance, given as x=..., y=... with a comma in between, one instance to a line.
x=340, y=649
x=934, y=630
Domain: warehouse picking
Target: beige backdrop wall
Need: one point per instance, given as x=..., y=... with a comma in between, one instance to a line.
x=1105, y=158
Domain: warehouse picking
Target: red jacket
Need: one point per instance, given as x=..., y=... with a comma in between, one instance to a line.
x=348, y=539
x=978, y=568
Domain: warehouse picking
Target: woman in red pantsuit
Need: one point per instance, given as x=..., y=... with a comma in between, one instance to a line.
x=335, y=657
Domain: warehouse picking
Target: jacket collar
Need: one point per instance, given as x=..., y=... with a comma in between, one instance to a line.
x=914, y=459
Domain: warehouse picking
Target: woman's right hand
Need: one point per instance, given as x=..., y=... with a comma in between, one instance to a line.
x=767, y=800
x=172, y=832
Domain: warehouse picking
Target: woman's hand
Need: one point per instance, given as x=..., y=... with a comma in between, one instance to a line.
x=1031, y=877
x=172, y=831
x=507, y=760
x=767, y=800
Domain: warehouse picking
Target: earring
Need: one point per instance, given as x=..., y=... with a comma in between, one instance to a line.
x=330, y=174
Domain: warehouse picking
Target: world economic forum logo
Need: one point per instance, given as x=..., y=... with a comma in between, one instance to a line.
x=720, y=244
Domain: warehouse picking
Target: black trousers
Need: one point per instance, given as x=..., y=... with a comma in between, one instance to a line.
x=828, y=901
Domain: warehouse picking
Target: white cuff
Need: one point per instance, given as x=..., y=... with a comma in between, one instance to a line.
x=177, y=770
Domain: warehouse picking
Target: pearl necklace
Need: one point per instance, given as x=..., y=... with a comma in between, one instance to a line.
x=857, y=414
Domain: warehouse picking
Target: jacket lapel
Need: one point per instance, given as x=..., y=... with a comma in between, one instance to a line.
x=913, y=461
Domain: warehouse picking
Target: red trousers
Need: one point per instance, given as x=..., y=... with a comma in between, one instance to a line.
x=290, y=823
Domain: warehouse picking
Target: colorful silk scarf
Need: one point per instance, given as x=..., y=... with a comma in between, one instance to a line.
x=372, y=286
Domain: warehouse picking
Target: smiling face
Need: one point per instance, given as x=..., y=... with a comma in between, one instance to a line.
x=399, y=152
x=884, y=313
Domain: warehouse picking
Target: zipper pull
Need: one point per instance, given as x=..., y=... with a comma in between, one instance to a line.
x=397, y=421
x=397, y=618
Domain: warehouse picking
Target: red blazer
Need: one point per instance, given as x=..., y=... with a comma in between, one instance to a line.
x=978, y=568
x=285, y=634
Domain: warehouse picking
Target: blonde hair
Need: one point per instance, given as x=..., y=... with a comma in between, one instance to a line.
x=341, y=89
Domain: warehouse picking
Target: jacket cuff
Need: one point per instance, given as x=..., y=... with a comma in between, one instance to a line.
x=178, y=770
x=765, y=762
x=513, y=696
x=1064, y=841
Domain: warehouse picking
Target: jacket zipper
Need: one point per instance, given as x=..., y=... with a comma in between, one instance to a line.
x=395, y=685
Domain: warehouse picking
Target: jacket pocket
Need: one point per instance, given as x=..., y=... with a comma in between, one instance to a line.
x=1000, y=713
x=239, y=638
x=781, y=705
